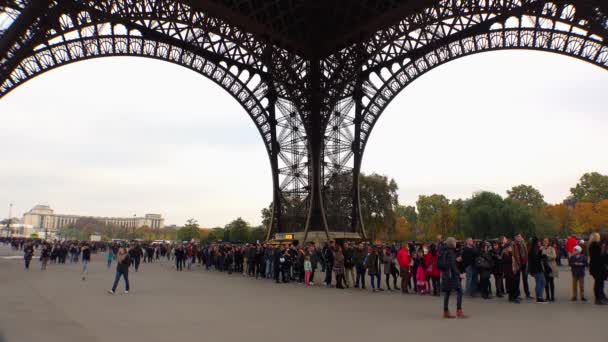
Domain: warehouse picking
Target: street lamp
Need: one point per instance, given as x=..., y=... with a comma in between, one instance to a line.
x=374, y=226
x=8, y=222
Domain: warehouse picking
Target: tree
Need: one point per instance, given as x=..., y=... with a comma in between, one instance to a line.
x=188, y=232
x=403, y=231
x=527, y=195
x=378, y=201
x=484, y=215
x=238, y=230
x=428, y=206
x=434, y=215
x=216, y=234
x=267, y=215
x=562, y=215
x=407, y=212
x=592, y=187
x=589, y=217
x=584, y=213
x=258, y=234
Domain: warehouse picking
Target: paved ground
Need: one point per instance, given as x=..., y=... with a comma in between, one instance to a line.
x=56, y=305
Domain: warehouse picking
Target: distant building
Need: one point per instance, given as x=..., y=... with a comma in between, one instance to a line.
x=43, y=217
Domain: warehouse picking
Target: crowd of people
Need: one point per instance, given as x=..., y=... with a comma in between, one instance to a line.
x=495, y=268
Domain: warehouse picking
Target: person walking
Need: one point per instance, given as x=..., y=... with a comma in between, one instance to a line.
x=28, y=254
x=123, y=261
x=179, y=256
x=109, y=257
x=597, y=269
x=86, y=259
x=450, y=278
x=44, y=256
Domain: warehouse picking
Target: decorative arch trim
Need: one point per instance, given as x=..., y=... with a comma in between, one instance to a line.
x=248, y=89
x=377, y=98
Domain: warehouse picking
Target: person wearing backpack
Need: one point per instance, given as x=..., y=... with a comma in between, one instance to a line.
x=123, y=261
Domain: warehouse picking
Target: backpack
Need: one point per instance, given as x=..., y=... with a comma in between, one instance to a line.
x=442, y=258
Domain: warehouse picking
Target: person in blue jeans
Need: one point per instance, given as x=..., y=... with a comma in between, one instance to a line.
x=359, y=261
x=469, y=255
x=536, y=266
x=372, y=263
x=122, y=270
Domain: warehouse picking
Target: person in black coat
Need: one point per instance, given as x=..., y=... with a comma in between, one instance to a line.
x=597, y=268
x=450, y=278
x=536, y=267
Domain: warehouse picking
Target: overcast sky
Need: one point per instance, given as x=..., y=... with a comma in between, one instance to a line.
x=124, y=136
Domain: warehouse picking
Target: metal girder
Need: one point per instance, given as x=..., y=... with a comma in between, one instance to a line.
x=314, y=76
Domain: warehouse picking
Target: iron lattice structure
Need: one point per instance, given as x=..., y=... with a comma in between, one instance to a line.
x=313, y=75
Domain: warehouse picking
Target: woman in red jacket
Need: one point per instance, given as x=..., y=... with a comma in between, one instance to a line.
x=403, y=259
x=432, y=272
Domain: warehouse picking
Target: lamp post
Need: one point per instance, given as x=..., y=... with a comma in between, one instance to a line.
x=374, y=227
x=8, y=222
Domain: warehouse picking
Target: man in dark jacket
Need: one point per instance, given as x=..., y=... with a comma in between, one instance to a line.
x=359, y=262
x=450, y=279
x=328, y=256
x=469, y=255
x=349, y=265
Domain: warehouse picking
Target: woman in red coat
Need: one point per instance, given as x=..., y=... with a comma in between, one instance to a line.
x=432, y=272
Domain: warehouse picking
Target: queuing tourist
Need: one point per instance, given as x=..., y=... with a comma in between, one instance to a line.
x=510, y=271
x=469, y=256
x=578, y=263
x=403, y=259
x=338, y=268
x=359, y=262
x=349, y=266
x=551, y=270
x=536, y=269
x=372, y=264
x=483, y=266
x=307, y=270
x=497, y=270
x=520, y=256
x=597, y=268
